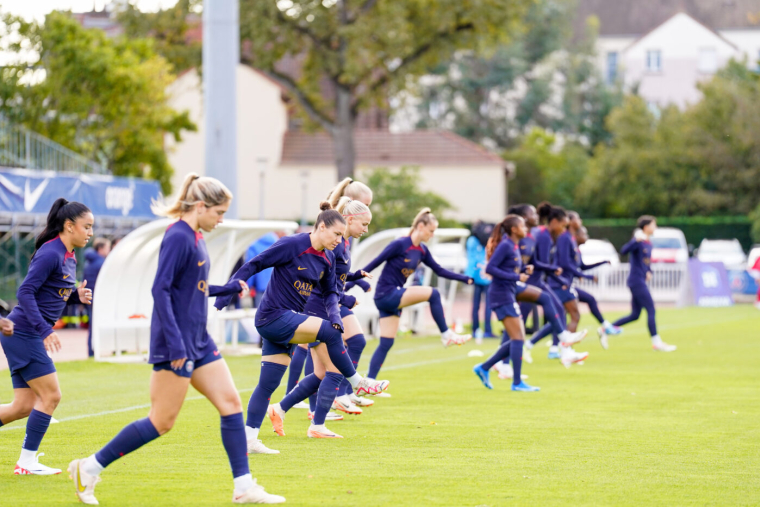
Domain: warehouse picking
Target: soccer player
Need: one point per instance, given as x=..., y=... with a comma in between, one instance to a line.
x=402, y=257
x=323, y=382
x=49, y=286
x=181, y=350
x=639, y=250
x=581, y=236
x=506, y=267
x=301, y=262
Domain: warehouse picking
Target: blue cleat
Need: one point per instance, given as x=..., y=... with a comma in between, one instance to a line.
x=522, y=386
x=554, y=352
x=613, y=330
x=483, y=375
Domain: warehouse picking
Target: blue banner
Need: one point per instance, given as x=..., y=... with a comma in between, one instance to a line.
x=29, y=191
x=709, y=283
x=742, y=282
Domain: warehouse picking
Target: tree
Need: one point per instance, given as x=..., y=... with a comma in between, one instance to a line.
x=103, y=98
x=398, y=198
x=360, y=51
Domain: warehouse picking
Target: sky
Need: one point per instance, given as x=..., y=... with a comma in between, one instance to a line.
x=37, y=9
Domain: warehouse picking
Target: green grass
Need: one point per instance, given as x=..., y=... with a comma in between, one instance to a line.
x=630, y=427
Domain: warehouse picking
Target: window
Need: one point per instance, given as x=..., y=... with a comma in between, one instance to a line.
x=612, y=67
x=708, y=60
x=654, y=60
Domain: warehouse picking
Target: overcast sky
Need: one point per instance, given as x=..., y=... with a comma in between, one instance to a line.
x=37, y=9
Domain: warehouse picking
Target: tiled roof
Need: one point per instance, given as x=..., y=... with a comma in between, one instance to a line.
x=374, y=147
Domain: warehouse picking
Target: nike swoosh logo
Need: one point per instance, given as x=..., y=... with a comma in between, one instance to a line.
x=201, y=263
x=407, y=260
x=66, y=276
x=31, y=197
x=80, y=487
x=301, y=269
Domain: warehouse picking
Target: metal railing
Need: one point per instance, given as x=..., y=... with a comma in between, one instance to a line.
x=20, y=147
x=668, y=283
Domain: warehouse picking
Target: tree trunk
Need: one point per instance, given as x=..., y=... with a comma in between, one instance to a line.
x=343, y=134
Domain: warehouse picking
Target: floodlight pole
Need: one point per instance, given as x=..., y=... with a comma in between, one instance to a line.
x=221, y=55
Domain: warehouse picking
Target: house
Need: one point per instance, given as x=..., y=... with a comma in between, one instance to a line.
x=664, y=48
x=283, y=172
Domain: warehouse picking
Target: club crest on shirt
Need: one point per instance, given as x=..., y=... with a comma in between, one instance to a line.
x=189, y=365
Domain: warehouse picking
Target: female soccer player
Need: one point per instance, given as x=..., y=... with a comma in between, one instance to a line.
x=49, y=286
x=581, y=236
x=566, y=252
x=301, y=262
x=639, y=251
x=401, y=257
x=323, y=382
x=506, y=268
x=181, y=350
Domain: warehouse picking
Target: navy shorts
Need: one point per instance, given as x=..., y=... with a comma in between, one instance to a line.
x=278, y=332
x=507, y=310
x=190, y=366
x=388, y=304
x=520, y=287
x=27, y=358
x=565, y=293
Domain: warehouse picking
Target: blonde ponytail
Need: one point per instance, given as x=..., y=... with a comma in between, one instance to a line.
x=195, y=189
x=350, y=207
x=425, y=216
x=349, y=188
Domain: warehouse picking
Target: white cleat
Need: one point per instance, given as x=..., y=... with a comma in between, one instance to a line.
x=370, y=386
x=569, y=356
x=603, y=340
x=320, y=431
x=450, y=338
x=331, y=416
x=84, y=483
x=569, y=339
x=256, y=494
x=302, y=405
x=343, y=404
x=35, y=468
x=506, y=372
x=258, y=447
x=381, y=395
x=361, y=402
x=664, y=347
x=527, y=355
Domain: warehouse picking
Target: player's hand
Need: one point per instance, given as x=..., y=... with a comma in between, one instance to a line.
x=85, y=294
x=177, y=364
x=355, y=305
x=608, y=262
x=649, y=275
x=640, y=235
x=558, y=272
x=595, y=279
x=6, y=326
x=243, y=287
x=52, y=343
x=470, y=281
x=524, y=277
x=366, y=275
x=529, y=269
x=337, y=326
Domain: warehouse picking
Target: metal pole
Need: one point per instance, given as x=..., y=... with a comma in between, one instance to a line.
x=262, y=162
x=221, y=55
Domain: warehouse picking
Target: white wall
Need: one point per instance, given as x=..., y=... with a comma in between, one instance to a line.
x=748, y=42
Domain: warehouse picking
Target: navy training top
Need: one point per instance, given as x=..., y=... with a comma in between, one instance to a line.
x=180, y=296
x=505, y=266
x=640, y=258
x=568, y=257
x=298, y=269
x=401, y=259
x=343, y=275
x=48, y=287
x=542, y=256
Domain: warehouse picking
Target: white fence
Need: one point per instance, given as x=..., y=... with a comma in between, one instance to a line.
x=669, y=283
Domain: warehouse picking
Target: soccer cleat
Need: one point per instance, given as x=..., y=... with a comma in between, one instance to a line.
x=612, y=330
x=256, y=494
x=258, y=447
x=663, y=347
x=570, y=339
x=569, y=356
x=277, y=416
x=527, y=355
x=361, y=402
x=603, y=341
x=554, y=352
x=370, y=386
x=506, y=372
x=35, y=468
x=343, y=404
x=522, y=386
x=84, y=483
x=331, y=416
x=381, y=395
x=449, y=338
x=321, y=431
x=301, y=404
x=483, y=375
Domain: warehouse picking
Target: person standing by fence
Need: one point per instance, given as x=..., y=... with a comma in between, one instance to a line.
x=476, y=264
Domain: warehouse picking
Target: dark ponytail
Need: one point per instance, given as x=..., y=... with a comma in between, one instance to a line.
x=328, y=216
x=505, y=227
x=556, y=213
x=544, y=209
x=644, y=220
x=61, y=211
x=520, y=209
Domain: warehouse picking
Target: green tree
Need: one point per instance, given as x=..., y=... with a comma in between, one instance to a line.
x=754, y=216
x=169, y=29
x=364, y=50
x=398, y=198
x=103, y=98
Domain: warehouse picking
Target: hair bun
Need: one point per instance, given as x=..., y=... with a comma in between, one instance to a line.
x=325, y=205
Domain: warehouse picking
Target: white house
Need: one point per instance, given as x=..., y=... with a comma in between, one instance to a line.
x=283, y=172
x=666, y=48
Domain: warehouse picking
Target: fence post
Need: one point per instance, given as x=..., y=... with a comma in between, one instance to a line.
x=28, y=149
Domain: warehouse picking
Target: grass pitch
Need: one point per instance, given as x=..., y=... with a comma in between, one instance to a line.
x=630, y=427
